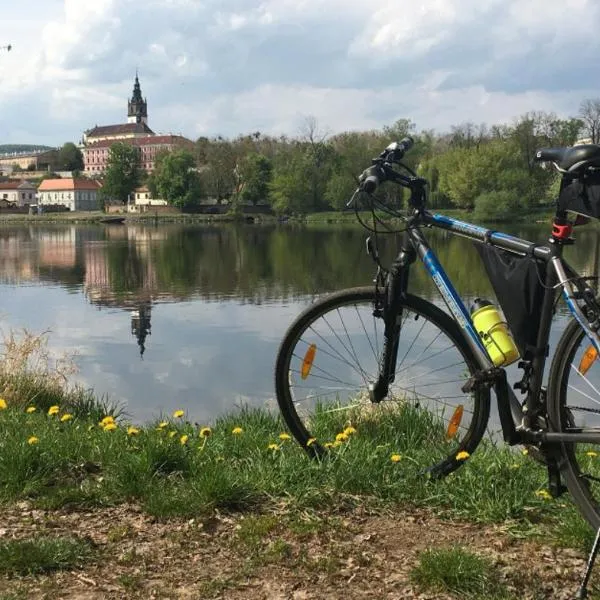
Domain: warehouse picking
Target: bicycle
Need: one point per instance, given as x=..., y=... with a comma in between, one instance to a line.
x=353, y=349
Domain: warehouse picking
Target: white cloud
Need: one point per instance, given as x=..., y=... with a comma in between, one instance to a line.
x=232, y=66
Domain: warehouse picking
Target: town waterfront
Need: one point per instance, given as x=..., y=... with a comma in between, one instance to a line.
x=172, y=316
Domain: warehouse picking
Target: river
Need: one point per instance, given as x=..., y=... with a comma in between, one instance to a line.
x=173, y=316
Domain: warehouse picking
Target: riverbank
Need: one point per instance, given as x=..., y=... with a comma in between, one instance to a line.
x=328, y=217
x=94, y=507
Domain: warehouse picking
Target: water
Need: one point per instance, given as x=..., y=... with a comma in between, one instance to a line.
x=173, y=316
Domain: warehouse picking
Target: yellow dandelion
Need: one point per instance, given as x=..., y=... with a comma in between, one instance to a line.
x=462, y=455
x=237, y=431
x=328, y=445
x=349, y=430
x=310, y=442
x=66, y=417
x=341, y=437
x=545, y=494
x=273, y=447
x=524, y=452
x=591, y=453
x=205, y=432
x=183, y=439
x=162, y=424
x=396, y=457
x=178, y=414
x=53, y=410
x=33, y=440
x=106, y=420
x=110, y=426
x=3, y=405
x=132, y=430
x=172, y=434
x=30, y=409
x=284, y=437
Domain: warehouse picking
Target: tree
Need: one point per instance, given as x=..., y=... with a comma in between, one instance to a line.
x=589, y=111
x=255, y=174
x=175, y=179
x=70, y=158
x=122, y=173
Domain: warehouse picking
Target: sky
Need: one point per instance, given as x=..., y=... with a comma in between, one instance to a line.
x=229, y=67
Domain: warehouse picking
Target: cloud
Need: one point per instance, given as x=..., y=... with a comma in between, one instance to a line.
x=233, y=66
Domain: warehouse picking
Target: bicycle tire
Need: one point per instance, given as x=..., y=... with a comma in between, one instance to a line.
x=567, y=405
x=442, y=330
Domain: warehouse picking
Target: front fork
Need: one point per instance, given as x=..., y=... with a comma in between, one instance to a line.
x=388, y=305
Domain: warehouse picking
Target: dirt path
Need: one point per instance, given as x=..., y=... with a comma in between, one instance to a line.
x=275, y=557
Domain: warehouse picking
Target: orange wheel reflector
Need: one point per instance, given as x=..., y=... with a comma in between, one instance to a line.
x=309, y=358
x=455, y=421
x=588, y=358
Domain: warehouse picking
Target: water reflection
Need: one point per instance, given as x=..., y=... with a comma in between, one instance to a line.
x=204, y=307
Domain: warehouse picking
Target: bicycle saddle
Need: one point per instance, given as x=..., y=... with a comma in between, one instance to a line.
x=571, y=159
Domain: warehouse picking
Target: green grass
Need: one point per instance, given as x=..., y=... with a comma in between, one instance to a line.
x=42, y=555
x=460, y=572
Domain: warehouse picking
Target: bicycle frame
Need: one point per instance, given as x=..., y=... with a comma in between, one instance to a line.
x=520, y=424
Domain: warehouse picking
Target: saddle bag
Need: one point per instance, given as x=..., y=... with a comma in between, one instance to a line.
x=582, y=194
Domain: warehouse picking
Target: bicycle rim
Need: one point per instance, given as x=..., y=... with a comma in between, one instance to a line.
x=574, y=403
x=331, y=354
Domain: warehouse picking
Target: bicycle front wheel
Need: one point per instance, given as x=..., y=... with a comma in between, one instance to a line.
x=573, y=404
x=331, y=354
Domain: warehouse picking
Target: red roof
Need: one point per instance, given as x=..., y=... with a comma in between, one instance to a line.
x=68, y=183
x=152, y=140
x=9, y=185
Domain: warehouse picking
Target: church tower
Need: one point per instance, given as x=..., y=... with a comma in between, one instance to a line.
x=137, y=108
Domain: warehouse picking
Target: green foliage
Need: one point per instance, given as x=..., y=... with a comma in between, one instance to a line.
x=255, y=172
x=176, y=179
x=500, y=205
x=122, y=173
x=70, y=158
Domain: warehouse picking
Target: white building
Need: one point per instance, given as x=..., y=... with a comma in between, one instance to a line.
x=75, y=194
x=18, y=193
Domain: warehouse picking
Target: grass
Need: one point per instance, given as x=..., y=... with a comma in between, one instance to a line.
x=61, y=447
x=460, y=572
x=42, y=555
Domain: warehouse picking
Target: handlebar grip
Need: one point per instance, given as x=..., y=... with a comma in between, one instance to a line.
x=369, y=180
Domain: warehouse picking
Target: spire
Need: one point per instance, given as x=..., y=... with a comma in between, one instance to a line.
x=137, y=108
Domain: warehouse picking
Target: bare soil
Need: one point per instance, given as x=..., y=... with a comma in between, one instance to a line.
x=277, y=556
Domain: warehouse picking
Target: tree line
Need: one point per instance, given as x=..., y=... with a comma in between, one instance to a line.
x=488, y=169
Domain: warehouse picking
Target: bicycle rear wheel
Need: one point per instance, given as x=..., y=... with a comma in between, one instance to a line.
x=574, y=403
x=331, y=354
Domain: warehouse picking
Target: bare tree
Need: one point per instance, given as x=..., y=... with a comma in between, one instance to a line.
x=589, y=111
x=311, y=132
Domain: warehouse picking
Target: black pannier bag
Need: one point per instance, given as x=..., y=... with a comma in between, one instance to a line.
x=517, y=285
x=581, y=194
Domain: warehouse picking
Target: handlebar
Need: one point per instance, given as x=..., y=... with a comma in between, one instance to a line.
x=382, y=170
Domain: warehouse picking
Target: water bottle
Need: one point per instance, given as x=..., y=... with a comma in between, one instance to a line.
x=494, y=333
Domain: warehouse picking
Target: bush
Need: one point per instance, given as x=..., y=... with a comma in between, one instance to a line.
x=498, y=205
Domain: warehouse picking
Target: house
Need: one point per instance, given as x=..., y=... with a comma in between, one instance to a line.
x=143, y=201
x=17, y=193
x=74, y=194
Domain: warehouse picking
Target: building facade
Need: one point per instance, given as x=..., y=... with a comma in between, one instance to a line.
x=29, y=161
x=74, y=194
x=18, y=193
x=98, y=140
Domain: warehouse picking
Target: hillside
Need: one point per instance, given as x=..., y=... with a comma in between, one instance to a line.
x=9, y=148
